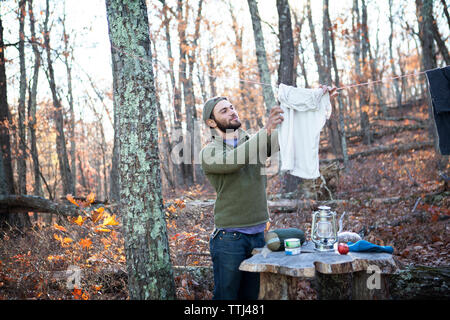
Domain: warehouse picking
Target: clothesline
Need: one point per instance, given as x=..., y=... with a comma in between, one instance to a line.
x=368, y=83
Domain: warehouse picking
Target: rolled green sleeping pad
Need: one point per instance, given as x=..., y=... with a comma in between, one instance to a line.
x=275, y=238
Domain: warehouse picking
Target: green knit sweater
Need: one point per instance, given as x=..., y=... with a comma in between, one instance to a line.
x=237, y=174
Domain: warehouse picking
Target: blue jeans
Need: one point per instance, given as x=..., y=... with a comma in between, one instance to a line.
x=228, y=250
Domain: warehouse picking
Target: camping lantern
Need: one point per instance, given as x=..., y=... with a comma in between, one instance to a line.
x=323, y=229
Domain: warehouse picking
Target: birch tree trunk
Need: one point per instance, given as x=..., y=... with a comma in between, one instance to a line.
x=261, y=58
x=150, y=274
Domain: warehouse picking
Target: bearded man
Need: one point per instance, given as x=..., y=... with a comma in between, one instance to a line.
x=234, y=163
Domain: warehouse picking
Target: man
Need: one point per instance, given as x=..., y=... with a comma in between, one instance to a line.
x=233, y=162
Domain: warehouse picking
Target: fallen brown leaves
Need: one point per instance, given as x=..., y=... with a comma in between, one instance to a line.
x=35, y=264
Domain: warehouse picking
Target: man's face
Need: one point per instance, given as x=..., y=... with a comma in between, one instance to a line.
x=225, y=117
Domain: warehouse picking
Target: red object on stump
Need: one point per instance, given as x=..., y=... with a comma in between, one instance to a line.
x=343, y=248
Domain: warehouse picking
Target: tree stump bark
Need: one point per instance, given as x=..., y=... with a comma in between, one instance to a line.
x=275, y=286
x=333, y=286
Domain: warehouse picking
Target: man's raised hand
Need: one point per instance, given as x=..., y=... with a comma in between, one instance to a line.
x=274, y=119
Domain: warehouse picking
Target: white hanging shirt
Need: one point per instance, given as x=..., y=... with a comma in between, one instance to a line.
x=305, y=114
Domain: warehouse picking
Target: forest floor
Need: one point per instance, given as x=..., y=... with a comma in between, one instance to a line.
x=396, y=199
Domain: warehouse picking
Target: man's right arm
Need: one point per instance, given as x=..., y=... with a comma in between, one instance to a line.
x=255, y=150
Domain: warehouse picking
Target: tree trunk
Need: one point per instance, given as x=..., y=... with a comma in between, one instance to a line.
x=17, y=204
x=375, y=75
x=114, y=178
x=261, y=58
x=165, y=159
x=299, y=50
x=32, y=104
x=64, y=167
x=22, y=220
x=37, y=190
x=317, y=53
x=150, y=274
x=177, y=137
x=6, y=171
x=337, y=83
x=245, y=98
x=184, y=80
x=82, y=177
x=195, y=137
x=73, y=167
x=102, y=147
x=332, y=123
x=424, y=12
x=440, y=42
x=286, y=73
x=21, y=159
x=359, y=54
x=391, y=55
x=447, y=15
x=211, y=67
x=364, y=91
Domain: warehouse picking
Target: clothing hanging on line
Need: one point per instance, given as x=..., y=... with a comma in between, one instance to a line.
x=439, y=86
x=305, y=114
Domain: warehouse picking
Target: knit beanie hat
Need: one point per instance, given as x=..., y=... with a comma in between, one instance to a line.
x=209, y=106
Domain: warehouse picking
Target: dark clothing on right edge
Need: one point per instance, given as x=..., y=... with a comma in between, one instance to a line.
x=439, y=84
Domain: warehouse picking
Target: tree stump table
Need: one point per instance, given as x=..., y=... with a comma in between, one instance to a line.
x=356, y=275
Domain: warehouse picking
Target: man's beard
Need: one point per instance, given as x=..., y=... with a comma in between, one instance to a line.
x=229, y=126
